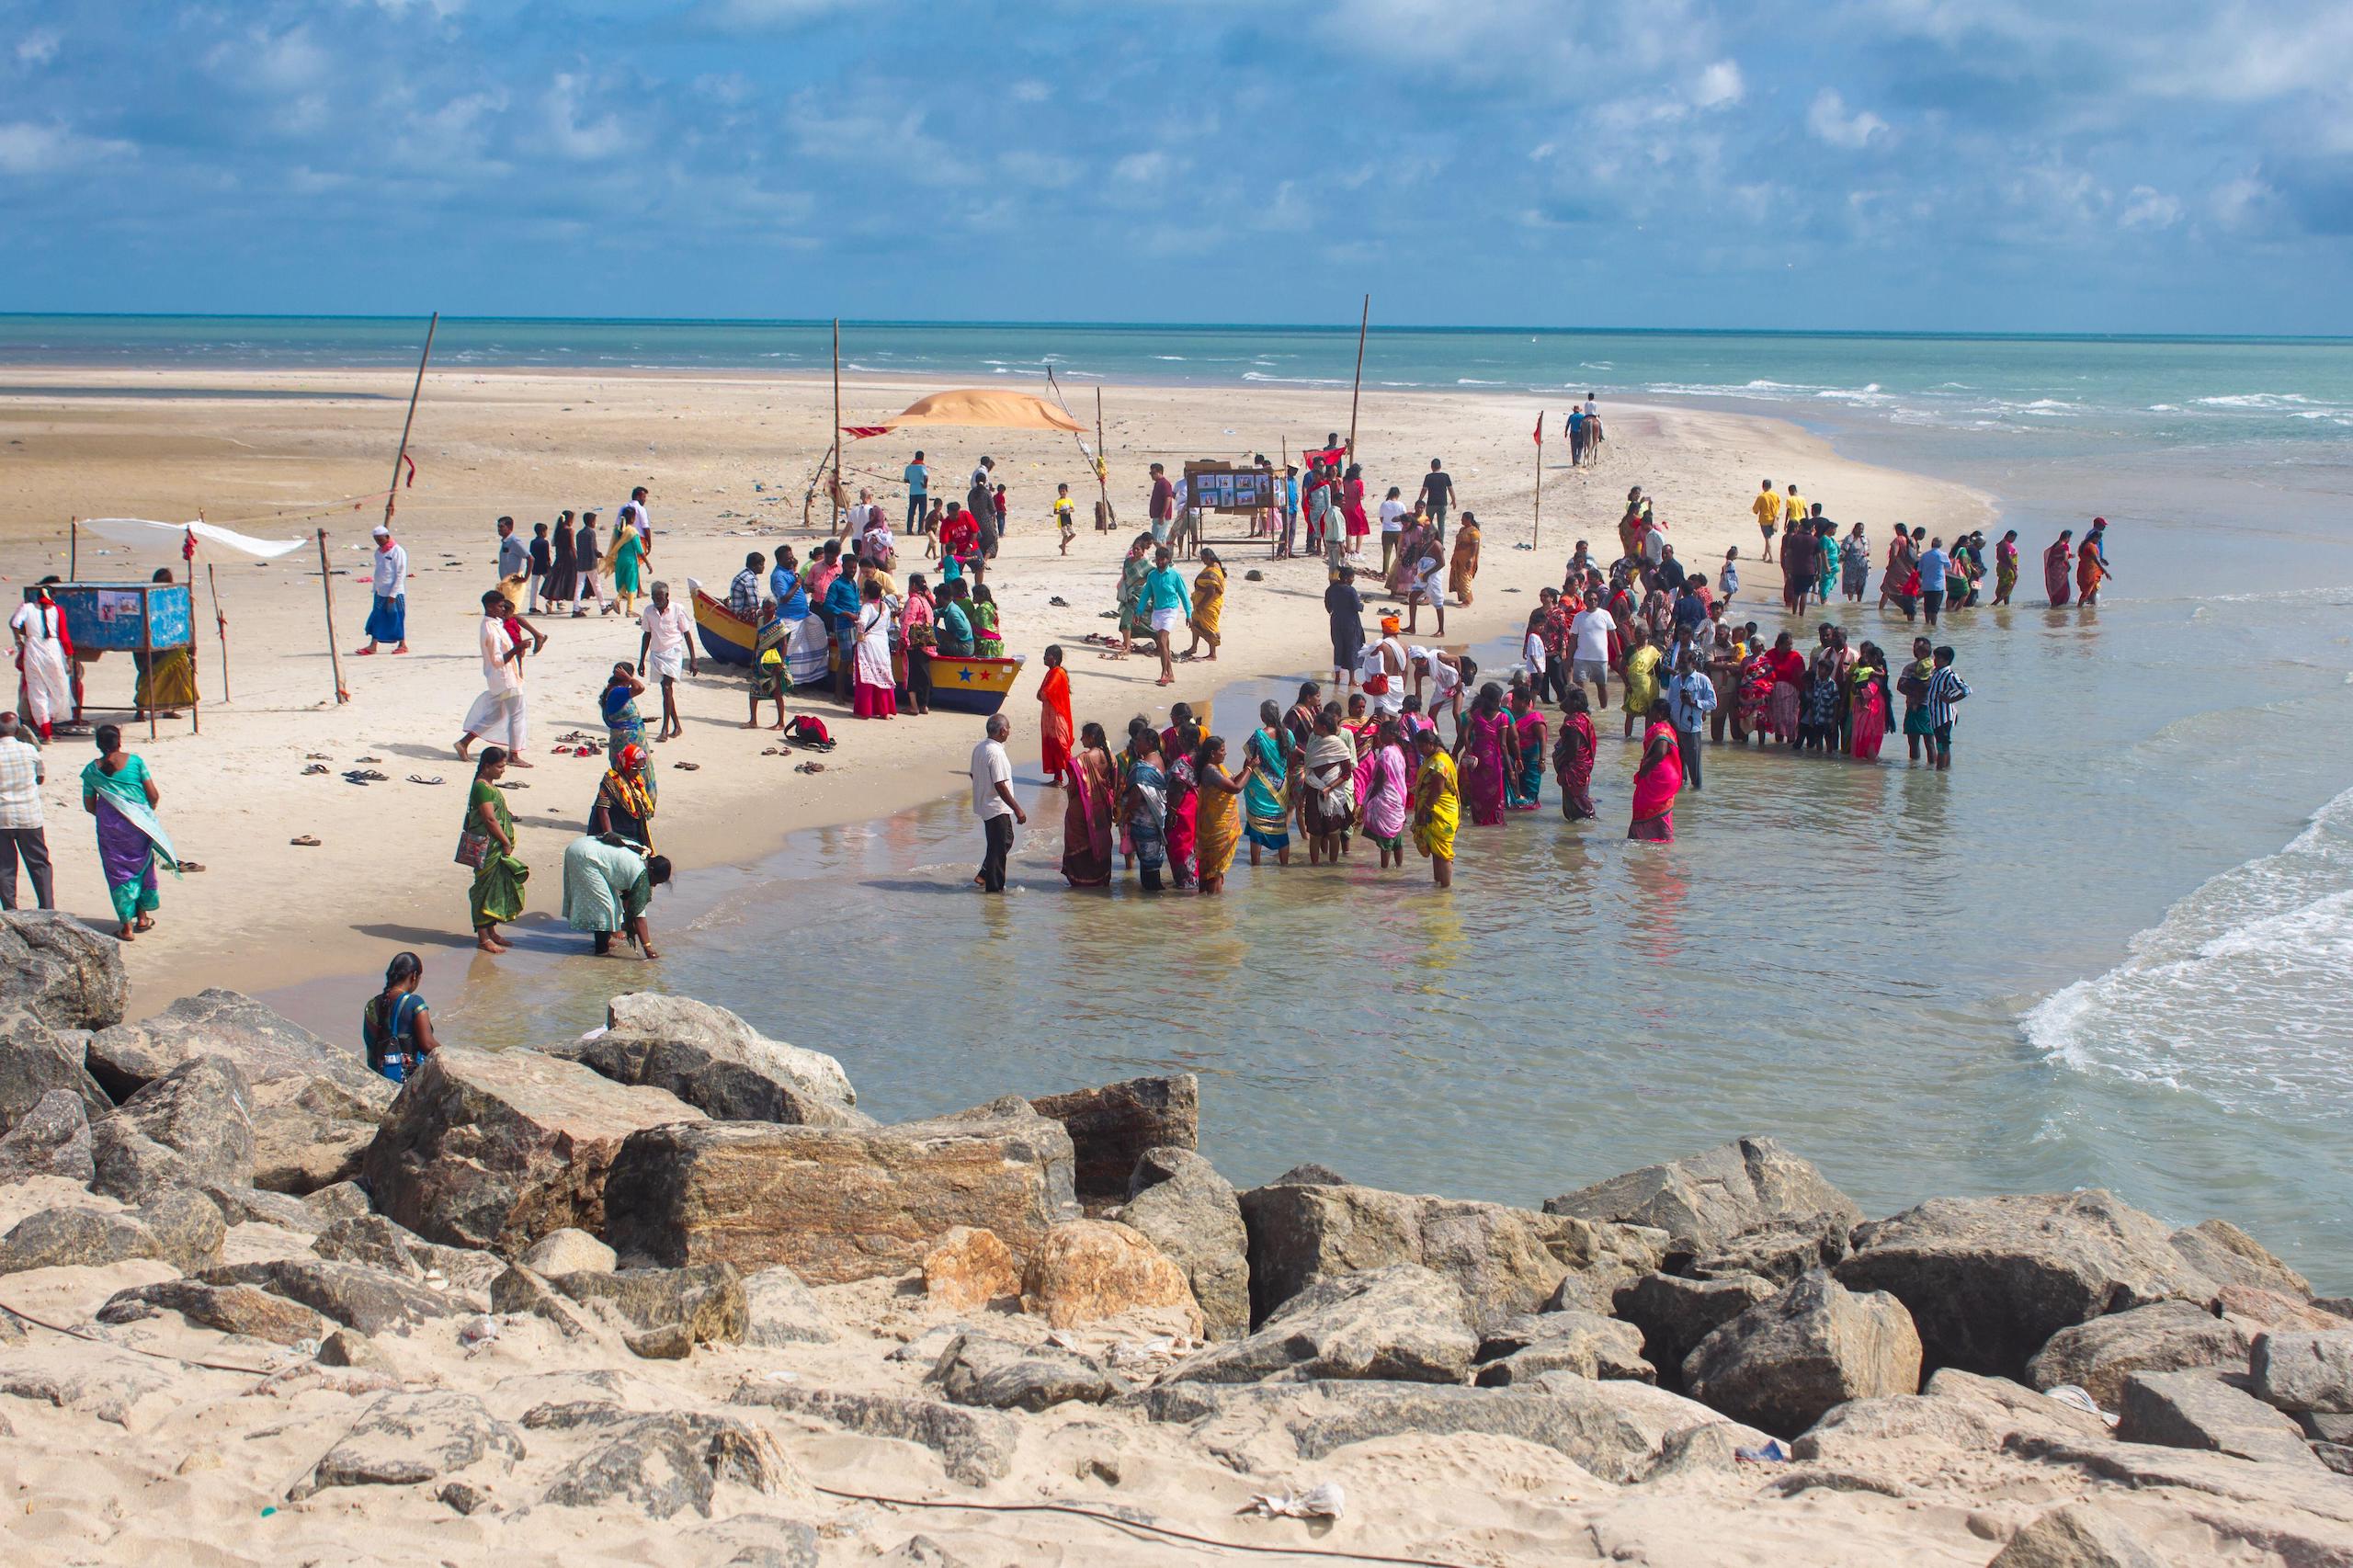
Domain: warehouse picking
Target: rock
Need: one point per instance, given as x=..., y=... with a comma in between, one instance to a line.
x=1088, y=1269
x=1783, y=1362
x=251, y=1206
x=35, y=1063
x=1584, y=1344
x=922, y=1552
x=2293, y=1513
x=518, y=1291
x=340, y=1201
x=349, y=1347
x=496, y=1149
x=1988, y=1279
x=666, y=1463
x=1401, y=1323
x=979, y=1370
x=968, y=1268
x=1708, y=1199
x=2335, y=1456
x=1860, y=1432
x=713, y=1061
x=2009, y=1410
x=1112, y=1128
x=1675, y=1313
x=199, y=1111
x=763, y=1541
x=373, y=1241
x=567, y=1251
x=313, y=1131
x=975, y=1445
x=405, y=1438
x=365, y=1299
x=51, y=1138
x=132, y=1166
x=1507, y=1261
x=122, y=1390
x=1311, y=1175
x=2257, y=1308
x=61, y=971
x=779, y=1309
x=2304, y=1372
x=2322, y=1425
x=231, y=1309
x=1780, y=1257
x=1191, y=1213
x=2076, y=1535
x=181, y=1227
x=2166, y=1337
x=262, y=1046
x=2220, y=1251
x=2197, y=1410
x=705, y=1300
x=187, y=1226
x=838, y=1204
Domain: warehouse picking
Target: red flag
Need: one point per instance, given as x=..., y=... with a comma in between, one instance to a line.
x=1539, y=427
x=187, y=544
x=860, y=432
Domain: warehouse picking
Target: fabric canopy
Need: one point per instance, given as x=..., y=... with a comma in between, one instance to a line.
x=139, y=530
x=976, y=405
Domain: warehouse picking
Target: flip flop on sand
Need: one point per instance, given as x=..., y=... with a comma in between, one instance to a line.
x=191, y=866
x=304, y=841
x=318, y=768
x=364, y=759
x=809, y=767
x=514, y=784
x=687, y=766
x=364, y=776
x=420, y=779
x=316, y=757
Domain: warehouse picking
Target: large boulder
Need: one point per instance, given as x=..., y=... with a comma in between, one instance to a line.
x=2076, y=1535
x=2302, y=1373
x=779, y=1309
x=975, y=1447
x=1507, y=1261
x=1707, y=1200
x=1988, y=1280
x=1675, y=1313
x=981, y=1369
x=1111, y=1127
x=2164, y=1337
x=706, y=1301
x=35, y=1063
x=51, y=1138
x=201, y=1111
x=496, y=1149
x=2222, y=1251
x=666, y=1463
x=968, y=1267
x=181, y=1227
x=1584, y=1344
x=1403, y=1322
x=1088, y=1269
x=838, y=1204
x=1785, y=1361
x=718, y=1064
x=265, y=1046
x=311, y=1130
x=2199, y=1410
x=406, y=1438
x=1191, y=1213
x=61, y=971
x=231, y=1309
x=369, y=1300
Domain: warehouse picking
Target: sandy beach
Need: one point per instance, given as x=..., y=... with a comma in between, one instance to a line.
x=527, y=444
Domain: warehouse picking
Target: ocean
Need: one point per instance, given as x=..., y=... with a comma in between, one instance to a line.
x=2110, y=948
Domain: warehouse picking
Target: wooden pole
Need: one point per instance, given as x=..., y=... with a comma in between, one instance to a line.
x=400, y=457
x=1102, y=459
x=326, y=586
x=1536, y=534
x=838, y=491
x=73, y=549
x=1363, y=323
x=219, y=625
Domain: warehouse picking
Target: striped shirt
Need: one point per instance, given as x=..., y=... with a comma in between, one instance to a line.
x=1945, y=690
x=20, y=775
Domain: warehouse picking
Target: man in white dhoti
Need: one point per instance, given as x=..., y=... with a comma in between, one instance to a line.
x=498, y=712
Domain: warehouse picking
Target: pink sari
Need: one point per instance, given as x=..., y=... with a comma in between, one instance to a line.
x=1381, y=785
x=1655, y=788
x=1482, y=790
x=1184, y=805
x=1087, y=822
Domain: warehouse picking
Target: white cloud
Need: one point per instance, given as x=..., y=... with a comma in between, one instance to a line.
x=29, y=149
x=1029, y=90
x=1719, y=84
x=567, y=133
x=37, y=48
x=2148, y=208
x=1828, y=119
x=1144, y=168
x=2245, y=204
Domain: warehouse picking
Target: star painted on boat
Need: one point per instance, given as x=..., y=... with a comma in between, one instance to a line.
x=964, y=676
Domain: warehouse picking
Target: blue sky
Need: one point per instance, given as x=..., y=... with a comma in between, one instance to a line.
x=1926, y=164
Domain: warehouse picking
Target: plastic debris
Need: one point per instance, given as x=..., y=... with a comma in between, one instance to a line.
x=480, y=1331
x=2076, y=1397
x=1767, y=1452
x=1136, y=1352
x=1323, y=1502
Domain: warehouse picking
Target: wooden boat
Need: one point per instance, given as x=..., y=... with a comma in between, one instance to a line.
x=958, y=685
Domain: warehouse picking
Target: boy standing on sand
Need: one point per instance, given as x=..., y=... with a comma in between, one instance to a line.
x=1767, y=507
x=1065, y=515
x=917, y=476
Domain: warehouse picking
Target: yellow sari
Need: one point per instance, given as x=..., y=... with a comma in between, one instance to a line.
x=1642, y=680
x=1209, y=600
x=1437, y=807
x=1218, y=825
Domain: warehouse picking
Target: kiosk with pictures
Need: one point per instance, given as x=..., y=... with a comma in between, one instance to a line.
x=153, y=622
x=1229, y=489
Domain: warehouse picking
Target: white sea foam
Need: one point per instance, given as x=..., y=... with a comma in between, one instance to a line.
x=2238, y=995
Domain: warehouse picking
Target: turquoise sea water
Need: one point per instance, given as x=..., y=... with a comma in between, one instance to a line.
x=2111, y=947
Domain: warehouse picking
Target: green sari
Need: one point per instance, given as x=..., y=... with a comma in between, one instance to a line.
x=497, y=892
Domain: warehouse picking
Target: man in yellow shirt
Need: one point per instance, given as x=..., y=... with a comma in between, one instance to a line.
x=1767, y=507
x=1793, y=506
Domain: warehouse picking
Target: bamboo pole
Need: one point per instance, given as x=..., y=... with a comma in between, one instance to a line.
x=1363, y=323
x=401, y=456
x=1536, y=534
x=74, y=550
x=838, y=491
x=219, y=625
x=1102, y=460
x=326, y=586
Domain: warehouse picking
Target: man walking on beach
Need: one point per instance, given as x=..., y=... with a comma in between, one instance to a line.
x=1589, y=633
x=23, y=834
x=1160, y=507
x=1576, y=435
x=917, y=475
x=388, y=622
x=635, y=513
x=668, y=643
x=1767, y=507
x=514, y=563
x=993, y=802
x=983, y=508
x=1437, y=491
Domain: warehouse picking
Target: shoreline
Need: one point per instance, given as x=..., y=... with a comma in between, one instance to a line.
x=497, y=431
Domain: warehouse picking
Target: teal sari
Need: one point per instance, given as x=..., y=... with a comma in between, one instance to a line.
x=1266, y=817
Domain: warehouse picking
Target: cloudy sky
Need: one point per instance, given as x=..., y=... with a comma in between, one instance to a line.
x=2158, y=165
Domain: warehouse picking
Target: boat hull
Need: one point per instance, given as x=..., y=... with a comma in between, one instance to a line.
x=958, y=685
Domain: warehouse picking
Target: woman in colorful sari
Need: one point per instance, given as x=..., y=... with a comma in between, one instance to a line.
x=44, y=660
x=1753, y=705
x=1782, y=709
x=1265, y=774
x=1480, y=752
x=2055, y=562
x=2091, y=569
x=497, y=891
x=1383, y=791
x=1438, y=808
x=1352, y=508
x=1087, y=818
x=1528, y=728
x=1055, y=730
x=1184, y=803
x=1573, y=758
x=875, y=692
x=624, y=727
x=396, y=1027
x=2005, y=567
x=986, y=639
x=1209, y=606
x=628, y=559
x=1825, y=581
x=1327, y=787
x=118, y=791
x=1872, y=710
x=624, y=804
x=1133, y=572
x=1464, y=563
x=1145, y=806
x=1855, y=564
x=1641, y=672
x=1657, y=780
x=1218, y=818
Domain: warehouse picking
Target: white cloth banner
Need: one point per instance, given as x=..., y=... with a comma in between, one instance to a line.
x=139, y=530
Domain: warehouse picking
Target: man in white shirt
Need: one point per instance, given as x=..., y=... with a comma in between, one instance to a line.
x=1392, y=527
x=668, y=643
x=22, y=834
x=388, y=622
x=634, y=512
x=498, y=711
x=993, y=802
x=1589, y=642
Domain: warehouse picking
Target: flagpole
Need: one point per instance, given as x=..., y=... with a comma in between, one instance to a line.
x=401, y=456
x=1536, y=534
x=326, y=586
x=1363, y=323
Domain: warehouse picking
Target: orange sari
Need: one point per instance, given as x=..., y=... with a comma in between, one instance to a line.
x=1055, y=730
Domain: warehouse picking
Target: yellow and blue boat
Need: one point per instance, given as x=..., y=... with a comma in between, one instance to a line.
x=958, y=685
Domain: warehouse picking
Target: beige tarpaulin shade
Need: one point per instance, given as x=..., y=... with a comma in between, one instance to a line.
x=977, y=406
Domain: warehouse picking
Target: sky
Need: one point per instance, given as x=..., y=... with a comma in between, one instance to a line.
x=2033, y=166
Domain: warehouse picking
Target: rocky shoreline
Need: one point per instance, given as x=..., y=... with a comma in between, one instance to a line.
x=668, y=1293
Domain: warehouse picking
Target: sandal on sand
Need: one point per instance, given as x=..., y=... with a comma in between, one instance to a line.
x=364, y=776
x=367, y=759
x=190, y=866
x=317, y=767
x=420, y=779
x=513, y=784
x=687, y=766
x=771, y=751
x=316, y=757
x=809, y=767
x=582, y=751
x=304, y=841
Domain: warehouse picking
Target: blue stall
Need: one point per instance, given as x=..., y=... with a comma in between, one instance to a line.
x=153, y=622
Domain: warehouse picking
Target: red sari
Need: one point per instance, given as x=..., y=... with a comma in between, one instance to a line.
x=1055, y=730
x=1655, y=787
x=2054, y=573
x=1788, y=666
x=1574, y=765
x=1182, y=819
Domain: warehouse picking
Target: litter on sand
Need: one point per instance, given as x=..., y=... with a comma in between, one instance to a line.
x=1767, y=1452
x=1323, y=1502
x=2076, y=1397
